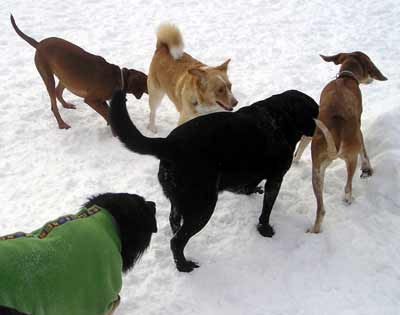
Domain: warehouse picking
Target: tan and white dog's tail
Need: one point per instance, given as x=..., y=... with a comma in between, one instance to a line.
x=170, y=36
x=332, y=152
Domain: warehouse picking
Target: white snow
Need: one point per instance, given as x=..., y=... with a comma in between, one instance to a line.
x=352, y=267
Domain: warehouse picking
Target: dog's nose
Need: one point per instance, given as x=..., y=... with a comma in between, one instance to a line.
x=234, y=102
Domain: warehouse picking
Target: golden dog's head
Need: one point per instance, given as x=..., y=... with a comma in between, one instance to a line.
x=359, y=63
x=214, y=90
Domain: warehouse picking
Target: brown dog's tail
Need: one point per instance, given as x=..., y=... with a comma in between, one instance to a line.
x=25, y=37
x=332, y=152
x=170, y=36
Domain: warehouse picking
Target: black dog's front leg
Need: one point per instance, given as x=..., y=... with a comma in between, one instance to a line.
x=272, y=187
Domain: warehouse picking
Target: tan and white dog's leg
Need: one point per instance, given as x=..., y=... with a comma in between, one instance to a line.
x=304, y=142
x=366, y=168
x=155, y=98
x=318, y=176
x=351, y=165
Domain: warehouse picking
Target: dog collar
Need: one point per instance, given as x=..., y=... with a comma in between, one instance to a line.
x=347, y=74
x=122, y=70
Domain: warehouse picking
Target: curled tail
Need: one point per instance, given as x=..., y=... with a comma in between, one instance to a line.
x=332, y=152
x=129, y=135
x=170, y=36
x=25, y=37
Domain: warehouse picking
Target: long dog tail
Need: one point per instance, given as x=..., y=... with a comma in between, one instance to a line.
x=170, y=36
x=129, y=135
x=25, y=37
x=332, y=152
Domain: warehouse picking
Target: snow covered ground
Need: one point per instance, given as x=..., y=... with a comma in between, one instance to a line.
x=353, y=267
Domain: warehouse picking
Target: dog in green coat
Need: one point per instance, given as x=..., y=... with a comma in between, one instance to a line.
x=74, y=264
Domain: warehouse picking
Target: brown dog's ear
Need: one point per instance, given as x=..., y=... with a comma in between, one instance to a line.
x=336, y=59
x=137, y=83
x=224, y=66
x=374, y=71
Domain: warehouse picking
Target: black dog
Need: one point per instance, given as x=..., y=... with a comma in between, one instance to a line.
x=135, y=222
x=221, y=151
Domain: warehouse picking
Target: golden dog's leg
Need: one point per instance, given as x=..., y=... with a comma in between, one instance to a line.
x=366, y=168
x=59, y=92
x=318, y=174
x=304, y=142
x=351, y=165
x=155, y=98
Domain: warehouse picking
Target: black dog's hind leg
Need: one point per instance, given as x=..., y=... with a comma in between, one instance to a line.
x=272, y=187
x=9, y=311
x=200, y=214
x=175, y=219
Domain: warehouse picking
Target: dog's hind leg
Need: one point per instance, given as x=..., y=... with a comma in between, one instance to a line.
x=351, y=165
x=366, y=168
x=48, y=79
x=272, y=187
x=318, y=174
x=200, y=214
x=175, y=219
x=59, y=92
x=155, y=98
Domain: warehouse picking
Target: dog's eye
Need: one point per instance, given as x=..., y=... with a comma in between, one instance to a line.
x=221, y=90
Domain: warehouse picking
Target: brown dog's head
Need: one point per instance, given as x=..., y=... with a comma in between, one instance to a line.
x=359, y=63
x=213, y=88
x=136, y=83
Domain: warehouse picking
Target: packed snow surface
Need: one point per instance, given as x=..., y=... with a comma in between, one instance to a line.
x=352, y=267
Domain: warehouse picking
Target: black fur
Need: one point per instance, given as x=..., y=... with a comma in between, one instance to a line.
x=136, y=221
x=221, y=151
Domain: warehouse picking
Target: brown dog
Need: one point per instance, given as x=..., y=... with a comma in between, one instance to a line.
x=338, y=134
x=192, y=86
x=88, y=76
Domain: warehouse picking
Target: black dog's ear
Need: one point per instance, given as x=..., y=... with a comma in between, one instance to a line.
x=310, y=128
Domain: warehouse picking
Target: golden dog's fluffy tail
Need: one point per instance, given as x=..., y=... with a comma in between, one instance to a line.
x=332, y=152
x=170, y=36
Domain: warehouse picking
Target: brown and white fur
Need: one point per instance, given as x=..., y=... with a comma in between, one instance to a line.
x=192, y=86
x=338, y=134
x=88, y=76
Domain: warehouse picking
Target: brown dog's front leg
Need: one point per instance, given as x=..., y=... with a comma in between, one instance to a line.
x=100, y=107
x=272, y=187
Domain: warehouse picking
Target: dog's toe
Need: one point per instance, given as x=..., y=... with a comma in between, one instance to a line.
x=152, y=128
x=366, y=173
x=265, y=230
x=314, y=230
x=64, y=125
x=187, y=266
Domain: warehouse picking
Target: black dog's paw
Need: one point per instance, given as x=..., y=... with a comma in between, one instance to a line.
x=186, y=266
x=265, y=230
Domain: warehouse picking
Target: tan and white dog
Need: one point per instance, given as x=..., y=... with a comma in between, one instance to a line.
x=192, y=86
x=338, y=134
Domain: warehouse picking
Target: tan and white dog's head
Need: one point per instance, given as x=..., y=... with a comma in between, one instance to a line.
x=358, y=62
x=213, y=88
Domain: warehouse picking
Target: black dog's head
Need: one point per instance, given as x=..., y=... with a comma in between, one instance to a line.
x=302, y=110
x=136, y=222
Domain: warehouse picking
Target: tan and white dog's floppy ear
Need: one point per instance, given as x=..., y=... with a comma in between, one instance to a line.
x=336, y=59
x=201, y=74
x=224, y=66
x=374, y=71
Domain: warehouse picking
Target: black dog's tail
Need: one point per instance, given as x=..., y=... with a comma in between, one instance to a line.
x=25, y=37
x=129, y=135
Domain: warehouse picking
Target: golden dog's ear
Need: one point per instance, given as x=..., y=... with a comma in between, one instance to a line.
x=374, y=71
x=201, y=74
x=224, y=66
x=336, y=59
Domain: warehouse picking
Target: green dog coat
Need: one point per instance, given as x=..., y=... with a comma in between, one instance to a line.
x=71, y=266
